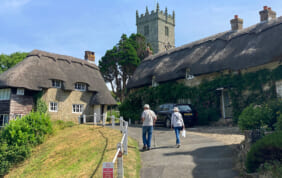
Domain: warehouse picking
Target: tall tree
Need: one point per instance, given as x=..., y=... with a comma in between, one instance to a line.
x=120, y=62
x=8, y=61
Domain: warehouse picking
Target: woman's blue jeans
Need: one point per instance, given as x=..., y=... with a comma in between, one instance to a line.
x=177, y=133
x=147, y=135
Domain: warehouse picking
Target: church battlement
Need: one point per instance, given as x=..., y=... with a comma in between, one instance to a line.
x=158, y=14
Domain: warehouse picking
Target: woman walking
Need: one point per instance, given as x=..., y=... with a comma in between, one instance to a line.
x=178, y=124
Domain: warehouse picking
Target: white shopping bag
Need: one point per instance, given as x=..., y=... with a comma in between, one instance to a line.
x=183, y=134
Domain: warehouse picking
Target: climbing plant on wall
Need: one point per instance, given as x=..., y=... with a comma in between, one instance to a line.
x=244, y=89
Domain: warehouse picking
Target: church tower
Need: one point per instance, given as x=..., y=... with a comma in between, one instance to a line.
x=158, y=28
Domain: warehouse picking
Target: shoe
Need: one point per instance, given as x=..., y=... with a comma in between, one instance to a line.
x=144, y=148
x=149, y=148
x=178, y=145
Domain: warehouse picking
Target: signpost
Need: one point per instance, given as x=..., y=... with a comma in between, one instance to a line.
x=108, y=170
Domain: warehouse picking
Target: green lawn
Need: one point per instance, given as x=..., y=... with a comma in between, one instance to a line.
x=78, y=151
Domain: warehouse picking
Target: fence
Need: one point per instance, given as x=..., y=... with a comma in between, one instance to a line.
x=93, y=119
x=122, y=146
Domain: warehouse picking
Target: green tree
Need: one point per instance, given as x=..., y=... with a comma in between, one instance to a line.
x=120, y=62
x=8, y=61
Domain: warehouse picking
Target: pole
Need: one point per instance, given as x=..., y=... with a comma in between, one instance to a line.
x=104, y=119
x=120, y=162
x=84, y=118
x=113, y=121
x=120, y=123
x=95, y=119
x=125, y=139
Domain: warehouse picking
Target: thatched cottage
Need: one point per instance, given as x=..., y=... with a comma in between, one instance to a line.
x=232, y=52
x=69, y=86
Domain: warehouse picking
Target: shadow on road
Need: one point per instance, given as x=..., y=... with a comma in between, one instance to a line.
x=209, y=159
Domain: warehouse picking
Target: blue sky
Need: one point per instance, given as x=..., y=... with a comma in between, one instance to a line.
x=70, y=27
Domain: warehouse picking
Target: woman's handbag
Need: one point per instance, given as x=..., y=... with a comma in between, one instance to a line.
x=183, y=134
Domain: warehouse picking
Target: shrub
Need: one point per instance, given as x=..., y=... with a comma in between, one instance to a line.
x=254, y=117
x=272, y=168
x=30, y=129
x=278, y=124
x=41, y=106
x=267, y=149
x=276, y=107
x=18, y=137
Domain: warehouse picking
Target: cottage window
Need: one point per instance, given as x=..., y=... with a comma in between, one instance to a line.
x=154, y=82
x=4, y=119
x=53, y=107
x=56, y=83
x=20, y=91
x=188, y=75
x=17, y=116
x=80, y=86
x=77, y=108
x=5, y=94
x=166, y=31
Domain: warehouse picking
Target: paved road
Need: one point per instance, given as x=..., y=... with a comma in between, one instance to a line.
x=198, y=157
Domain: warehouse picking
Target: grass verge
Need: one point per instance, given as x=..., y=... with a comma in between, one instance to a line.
x=78, y=151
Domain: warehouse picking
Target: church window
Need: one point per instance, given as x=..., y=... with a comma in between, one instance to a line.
x=166, y=31
x=146, y=30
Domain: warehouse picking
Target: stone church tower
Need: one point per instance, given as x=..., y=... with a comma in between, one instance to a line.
x=158, y=28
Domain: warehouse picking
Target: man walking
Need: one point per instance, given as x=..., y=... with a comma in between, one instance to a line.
x=148, y=118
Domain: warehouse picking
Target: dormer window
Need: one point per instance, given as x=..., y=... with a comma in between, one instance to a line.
x=80, y=86
x=20, y=91
x=154, y=83
x=56, y=83
x=188, y=75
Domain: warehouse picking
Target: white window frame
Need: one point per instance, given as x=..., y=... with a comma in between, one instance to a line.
x=80, y=86
x=188, y=76
x=2, y=124
x=20, y=91
x=77, y=108
x=5, y=94
x=154, y=83
x=18, y=116
x=53, y=107
x=56, y=83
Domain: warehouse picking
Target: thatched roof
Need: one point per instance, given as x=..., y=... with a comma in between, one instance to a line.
x=232, y=50
x=40, y=67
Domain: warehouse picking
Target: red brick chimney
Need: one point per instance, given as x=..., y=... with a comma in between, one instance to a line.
x=236, y=23
x=89, y=56
x=267, y=14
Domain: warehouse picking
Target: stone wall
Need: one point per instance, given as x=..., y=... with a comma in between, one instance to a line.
x=156, y=21
x=65, y=100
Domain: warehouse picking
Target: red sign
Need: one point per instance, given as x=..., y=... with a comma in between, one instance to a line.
x=108, y=170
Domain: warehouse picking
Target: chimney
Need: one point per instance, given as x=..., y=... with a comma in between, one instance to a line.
x=89, y=56
x=236, y=23
x=267, y=14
